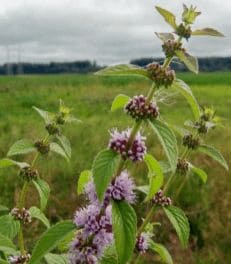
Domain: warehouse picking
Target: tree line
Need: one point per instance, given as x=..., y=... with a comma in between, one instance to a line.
x=87, y=66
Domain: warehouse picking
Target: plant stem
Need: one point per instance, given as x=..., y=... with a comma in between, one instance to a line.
x=146, y=220
x=22, y=200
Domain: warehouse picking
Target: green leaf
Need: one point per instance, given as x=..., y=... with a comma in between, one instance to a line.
x=3, y=209
x=38, y=214
x=168, y=141
x=65, y=144
x=123, y=69
x=207, y=32
x=56, y=259
x=47, y=116
x=124, y=224
x=190, y=61
x=168, y=16
x=2, y=261
x=22, y=146
x=185, y=90
x=119, y=102
x=162, y=251
x=156, y=176
x=144, y=189
x=8, y=226
x=44, y=192
x=84, y=178
x=64, y=244
x=201, y=173
x=56, y=148
x=4, y=163
x=6, y=242
x=50, y=239
x=109, y=256
x=8, y=251
x=180, y=222
x=165, y=36
x=104, y=167
x=214, y=154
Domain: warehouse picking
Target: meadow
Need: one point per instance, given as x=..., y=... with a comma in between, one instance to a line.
x=91, y=97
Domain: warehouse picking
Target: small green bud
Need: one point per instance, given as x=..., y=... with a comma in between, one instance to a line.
x=184, y=31
x=42, y=147
x=189, y=14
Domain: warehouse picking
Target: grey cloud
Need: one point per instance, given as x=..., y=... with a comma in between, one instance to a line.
x=106, y=30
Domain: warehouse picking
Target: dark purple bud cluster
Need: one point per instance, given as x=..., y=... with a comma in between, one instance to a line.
x=60, y=119
x=183, y=31
x=53, y=129
x=202, y=127
x=28, y=174
x=161, y=200
x=142, y=242
x=42, y=147
x=190, y=141
x=19, y=259
x=160, y=75
x=171, y=46
x=119, y=143
x=138, y=108
x=182, y=166
x=22, y=215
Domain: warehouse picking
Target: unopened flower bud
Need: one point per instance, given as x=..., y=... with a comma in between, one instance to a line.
x=19, y=259
x=28, y=174
x=171, y=46
x=161, y=200
x=138, y=108
x=183, y=31
x=22, y=215
x=60, y=119
x=182, y=166
x=53, y=129
x=190, y=141
x=42, y=147
x=160, y=75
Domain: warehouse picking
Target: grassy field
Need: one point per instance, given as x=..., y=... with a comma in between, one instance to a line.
x=91, y=97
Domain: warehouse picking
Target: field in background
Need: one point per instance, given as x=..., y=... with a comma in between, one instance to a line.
x=91, y=97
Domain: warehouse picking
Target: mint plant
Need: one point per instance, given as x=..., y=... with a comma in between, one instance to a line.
x=108, y=228
x=13, y=222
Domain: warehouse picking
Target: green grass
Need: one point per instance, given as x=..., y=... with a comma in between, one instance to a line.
x=91, y=97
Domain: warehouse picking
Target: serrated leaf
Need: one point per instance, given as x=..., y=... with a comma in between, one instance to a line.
x=8, y=251
x=56, y=148
x=167, y=140
x=47, y=116
x=190, y=62
x=119, y=102
x=50, y=239
x=4, y=163
x=65, y=144
x=168, y=16
x=38, y=214
x=185, y=90
x=214, y=154
x=165, y=36
x=56, y=259
x=44, y=192
x=201, y=173
x=156, y=176
x=84, y=178
x=180, y=222
x=6, y=242
x=162, y=251
x=123, y=69
x=207, y=32
x=104, y=167
x=22, y=146
x=8, y=226
x=109, y=256
x=124, y=224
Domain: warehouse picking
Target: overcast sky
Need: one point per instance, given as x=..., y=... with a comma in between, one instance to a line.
x=108, y=31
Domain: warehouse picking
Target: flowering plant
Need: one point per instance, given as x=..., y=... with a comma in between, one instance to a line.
x=108, y=229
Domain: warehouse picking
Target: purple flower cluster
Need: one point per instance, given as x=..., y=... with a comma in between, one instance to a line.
x=119, y=143
x=142, y=242
x=139, y=108
x=95, y=220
